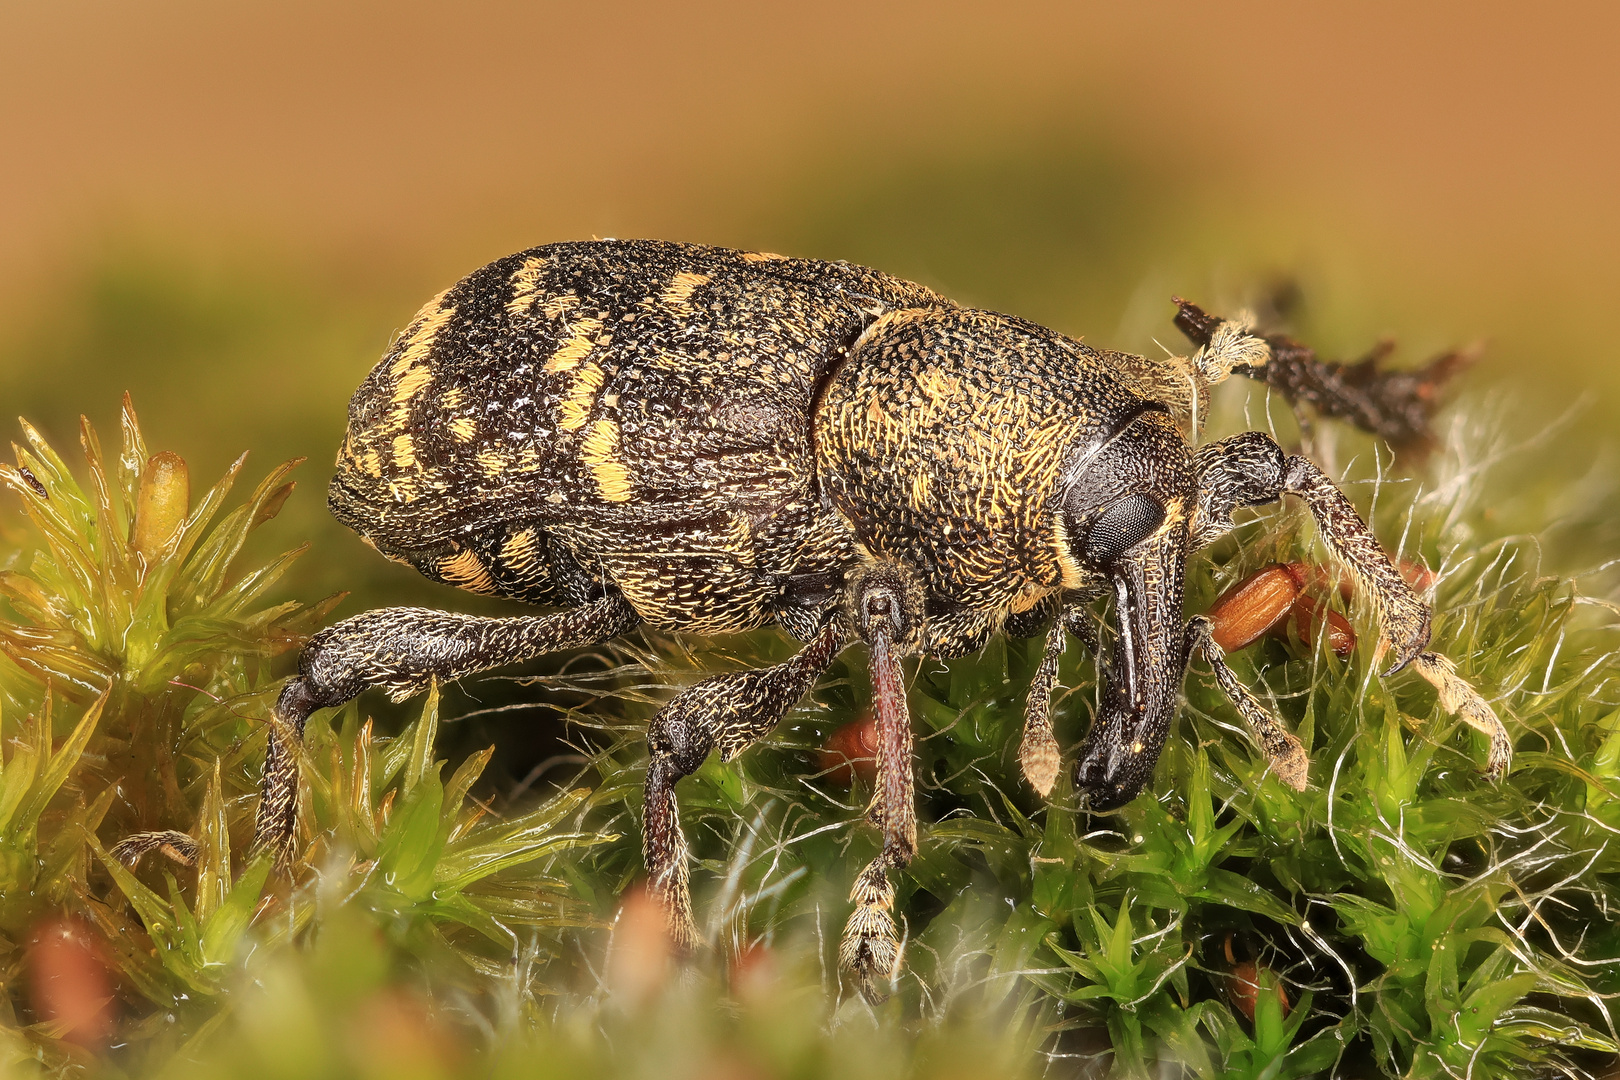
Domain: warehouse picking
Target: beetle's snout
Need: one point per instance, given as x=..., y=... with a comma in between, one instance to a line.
x=1143, y=679
x=1111, y=772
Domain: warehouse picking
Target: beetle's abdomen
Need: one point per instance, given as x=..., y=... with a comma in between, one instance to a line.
x=643, y=407
x=947, y=440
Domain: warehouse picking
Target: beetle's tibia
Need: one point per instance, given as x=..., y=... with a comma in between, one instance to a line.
x=1038, y=754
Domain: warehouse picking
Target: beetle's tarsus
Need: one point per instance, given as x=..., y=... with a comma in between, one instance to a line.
x=177, y=847
x=1398, y=406
x=1284, y=750
x=728, y=712
x=871, y=946
x=1461, y=699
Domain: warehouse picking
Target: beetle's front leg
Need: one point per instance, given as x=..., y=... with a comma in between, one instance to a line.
x=884, y=601
x=1039, y=755
x=1282, y=747
x=1249, y=469
x=731, y=712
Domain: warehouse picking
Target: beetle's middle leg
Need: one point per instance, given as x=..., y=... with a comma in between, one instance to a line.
x=1249, y=469
x=731, y=712
x=884, y=600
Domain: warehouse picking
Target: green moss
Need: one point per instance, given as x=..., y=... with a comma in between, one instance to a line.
x=1403, y=916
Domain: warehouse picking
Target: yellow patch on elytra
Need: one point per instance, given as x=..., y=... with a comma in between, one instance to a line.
x=404, y=452
x=463, y=428
x=600, y=452
x=555, y=307
x=575, y=407
x=678, y=293
x=519, y=549
x=419, y=337
x=525, y=282
x=919, y=489
x=410, y=382
x=762, y=256
x=491, y=462
x=465, y=571
x=576, y=348
x=371, y=463
x=452, y=399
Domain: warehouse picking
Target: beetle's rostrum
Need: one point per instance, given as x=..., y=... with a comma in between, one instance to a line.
x=711, y=441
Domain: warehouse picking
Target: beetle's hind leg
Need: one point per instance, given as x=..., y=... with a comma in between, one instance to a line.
x=403, y=650
x=729, y=712
x=1249, y=469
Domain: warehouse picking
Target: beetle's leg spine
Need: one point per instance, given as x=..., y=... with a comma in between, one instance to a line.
x=729, y=712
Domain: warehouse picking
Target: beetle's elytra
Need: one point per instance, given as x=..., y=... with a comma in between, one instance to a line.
x=711, y=441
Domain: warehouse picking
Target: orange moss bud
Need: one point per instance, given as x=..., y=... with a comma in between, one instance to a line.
x=1308, y=617
x=1246, y=981
x=68, y=984
x=851, y=751
x=752, y=973
x=641, y=957
x=1244, y=985
x=162, y=503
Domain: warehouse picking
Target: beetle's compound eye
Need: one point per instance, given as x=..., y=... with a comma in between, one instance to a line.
x=1121, y=525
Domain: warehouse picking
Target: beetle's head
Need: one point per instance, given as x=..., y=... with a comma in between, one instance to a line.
x=1125, y=519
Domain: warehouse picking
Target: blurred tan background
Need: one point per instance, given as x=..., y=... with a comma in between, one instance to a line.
x=230, y=208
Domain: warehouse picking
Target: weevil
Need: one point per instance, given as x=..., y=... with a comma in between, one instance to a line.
x=694, y=439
